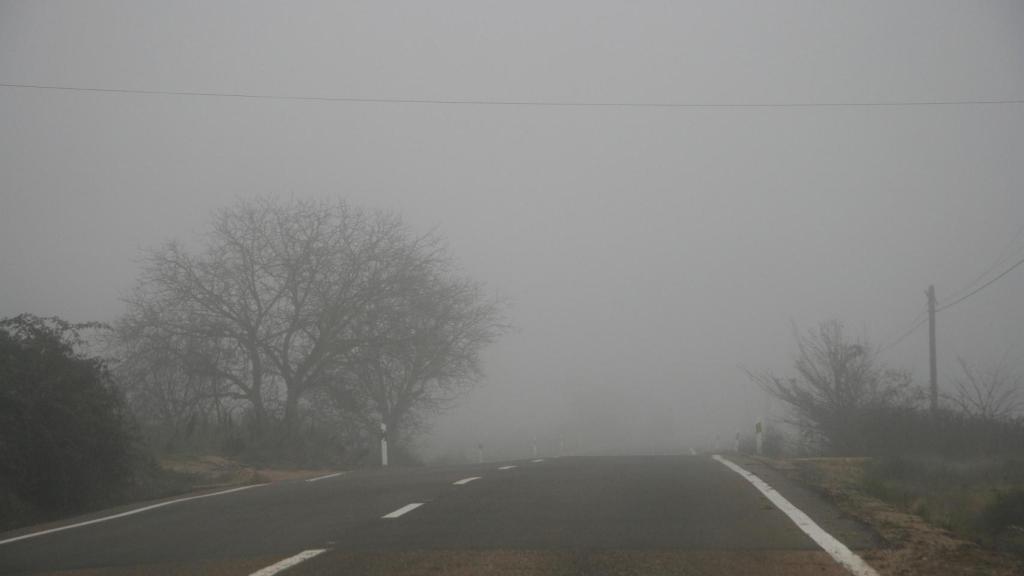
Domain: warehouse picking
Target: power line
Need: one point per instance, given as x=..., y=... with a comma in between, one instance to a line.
x=920, y=320
x=523, y=103
x=980, y=288
x=1005, y=255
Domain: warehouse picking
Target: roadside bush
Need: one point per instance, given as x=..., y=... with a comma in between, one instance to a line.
x=1005, y=510
x=981, y=498
x=894, y=431
x=774, y=442
x=837, y=386
x=150, y=481
x=66, y=441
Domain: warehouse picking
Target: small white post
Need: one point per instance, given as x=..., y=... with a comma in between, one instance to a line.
x=384, y=445
x=480, y=453
x=759, y=429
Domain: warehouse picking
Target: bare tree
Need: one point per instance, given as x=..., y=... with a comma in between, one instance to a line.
x=275, y=294
x=165, y=380
x=838, y=383
x=421, y=351
x=992, y=394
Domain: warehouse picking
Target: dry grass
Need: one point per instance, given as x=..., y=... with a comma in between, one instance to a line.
x=981, y=499
x=915, y=545
x=217, y=472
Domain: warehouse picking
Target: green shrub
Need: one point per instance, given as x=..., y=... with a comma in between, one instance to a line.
x=1005, y=509
x=66, y=441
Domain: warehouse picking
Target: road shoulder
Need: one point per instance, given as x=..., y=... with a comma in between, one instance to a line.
x=910, y=545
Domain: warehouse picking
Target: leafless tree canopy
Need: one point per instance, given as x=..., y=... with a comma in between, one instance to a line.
x=838, y=382
x=420, y=352
x=991, y=394
x=285, y=298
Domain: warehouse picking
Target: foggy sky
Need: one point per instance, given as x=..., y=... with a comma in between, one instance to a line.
x=649, y=253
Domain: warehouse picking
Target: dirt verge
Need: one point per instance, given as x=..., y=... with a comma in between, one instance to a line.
x=913, y=545
x=217, y=472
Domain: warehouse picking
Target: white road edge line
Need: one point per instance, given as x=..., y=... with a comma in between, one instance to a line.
x=324, y=477
x=403, y=510
x=287, y=563
x=465, y=480
x=836, y=549
x=537, y=460
x=509, y=467
x=123, y=514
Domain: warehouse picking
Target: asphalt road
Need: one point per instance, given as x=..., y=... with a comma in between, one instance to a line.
x=575, y=515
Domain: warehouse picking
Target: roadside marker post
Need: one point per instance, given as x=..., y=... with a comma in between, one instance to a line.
x=758, y=429
x=383, y=445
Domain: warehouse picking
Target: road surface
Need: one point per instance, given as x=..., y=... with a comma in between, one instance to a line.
x=558, y=516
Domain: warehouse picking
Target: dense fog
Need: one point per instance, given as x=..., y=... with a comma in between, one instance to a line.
x=662, y=191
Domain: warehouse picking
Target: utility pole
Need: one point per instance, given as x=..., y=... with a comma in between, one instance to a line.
x=931, y=351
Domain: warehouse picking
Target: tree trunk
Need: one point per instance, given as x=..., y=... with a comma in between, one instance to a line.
x=259, y=412
x=291, y=413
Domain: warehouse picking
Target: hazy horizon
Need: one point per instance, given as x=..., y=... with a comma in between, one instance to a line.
x=833, y=160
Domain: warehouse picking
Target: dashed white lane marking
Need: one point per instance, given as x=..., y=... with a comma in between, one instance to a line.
x=506, y=467
x=836, y=549
x=324, y=477
x=537, y=460
x=465, y=480
x=123, y=514
x=287, y=563
x=403, y=510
